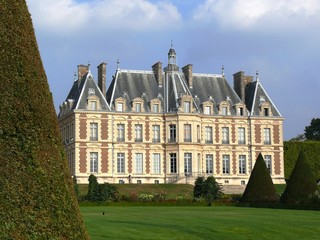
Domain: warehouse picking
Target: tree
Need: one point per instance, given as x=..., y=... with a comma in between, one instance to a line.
x=312, y=132
x=198, y=187
x=208, y=189
x=37, y=199
x=100, y=192
x=302, y=184
x=260, y=187
x=93, y=188
x=75, y=186
x=211, y=190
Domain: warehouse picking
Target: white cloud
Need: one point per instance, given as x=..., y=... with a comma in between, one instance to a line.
x=69, y=16
x=246, y=14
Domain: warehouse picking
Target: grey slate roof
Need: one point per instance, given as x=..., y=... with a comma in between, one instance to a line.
x=255, y=94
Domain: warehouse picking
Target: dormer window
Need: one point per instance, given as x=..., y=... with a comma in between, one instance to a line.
x=224, y=111
x=155, y=105
x=224, y=108
x=92, y=105
x=155, y=108
x=187, y=108
x=138, y=107
x=207, y=110
x=240, y=111
x=265, y=109
x=266, y=112
x=120, y=107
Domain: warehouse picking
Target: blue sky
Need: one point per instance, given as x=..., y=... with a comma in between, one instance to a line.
x=279, y=38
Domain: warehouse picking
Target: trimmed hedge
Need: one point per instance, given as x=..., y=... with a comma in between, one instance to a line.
x=311, y=150
x=37, y=199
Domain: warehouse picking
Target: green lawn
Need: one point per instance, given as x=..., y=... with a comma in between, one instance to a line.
x=200, y=223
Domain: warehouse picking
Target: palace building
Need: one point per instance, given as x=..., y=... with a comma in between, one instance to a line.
x=169, y=125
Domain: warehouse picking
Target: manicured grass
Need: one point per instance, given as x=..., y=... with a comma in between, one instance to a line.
x=200, y=223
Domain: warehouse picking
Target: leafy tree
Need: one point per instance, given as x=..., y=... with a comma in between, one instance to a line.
x=260, y=187
x=312, y=132
x=100, y=192
x=198, y=187
x=211, y=190
x=37, y=199
x=208, y=189
x=302, y=184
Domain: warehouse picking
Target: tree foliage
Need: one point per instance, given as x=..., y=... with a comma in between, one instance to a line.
x=100, y=192
x=312, y=132
x=208, y=189
x=260, y=187
x=37, y=199
x=302, y=184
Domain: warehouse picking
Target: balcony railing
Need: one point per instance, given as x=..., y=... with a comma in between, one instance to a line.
x=242, y=142
x=138, y=139
x=93, y=138
x=267, y=142
x=172, y=140
x=187, y=140
x=120, y=139
x=209, y=141
x=225, y=141
x=155, y=140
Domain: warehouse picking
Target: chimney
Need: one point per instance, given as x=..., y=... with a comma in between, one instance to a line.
x=187, y=71
x=102, y=71
x=157, y=70
x=240, y=81
x=82, y=70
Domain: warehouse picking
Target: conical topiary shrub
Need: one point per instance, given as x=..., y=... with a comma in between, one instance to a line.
x=37, y=199
x=260, y=187
x=302, y=183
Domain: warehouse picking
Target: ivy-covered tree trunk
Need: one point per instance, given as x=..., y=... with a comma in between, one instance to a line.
x=37, y=199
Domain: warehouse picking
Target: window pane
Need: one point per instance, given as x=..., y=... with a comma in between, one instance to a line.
x=94, y=162
x=208, y=134
x=207, y=110
x=120, y=130
x=187, y=132
x=241, y=136
x=267, y=160
x=225, y=135
x=173, y=163
x=187, y=107
x=120, y=163
x=225, y=164
x=138, y=107
x=242, y=164
x=172, y=129
x=267, y=137
x=156, y=163
x=188, y=163
x=93, y=131
x=139, y=163
x=138, y=133
x=156, y=133
x=155, y=108
x=209, y=163
x=120, y=107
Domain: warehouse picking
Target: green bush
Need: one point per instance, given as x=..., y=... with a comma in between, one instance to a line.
x=301, y=187
x=260, y=187
x=37, y=198
x=100, y=192
x=208, y=189
x=312, y=153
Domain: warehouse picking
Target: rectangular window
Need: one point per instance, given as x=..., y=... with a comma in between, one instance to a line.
x=198, y=134
x=93, y=162
x=172, y=129
x=138, y=107
x=241, y=135
x=240, y=111
x=139, y=163
x=208, y=134
x=188, y=163
x=266, y=112
x=120, y=163
x=266, y=136
x=93, y=131
x=225, y=164
x=187, y=132
x=138, y=129
x=119, y=107
x=267, y=160
x=186, y=107
x=156, y=163
x=120, y=130
x=155, y=108
x=225, y=135
x=92, y=105
x=207, y=110
x=209, y=163
x=224, y=111
x=173, y=163
x=156, y=133
x=242, y=164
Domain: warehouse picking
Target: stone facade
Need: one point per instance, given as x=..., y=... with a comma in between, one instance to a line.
x=145, y=140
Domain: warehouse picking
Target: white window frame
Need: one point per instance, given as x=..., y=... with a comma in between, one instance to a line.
x=121, y=132
x=209, y=163
x=225, y=135
x=93, y=162
x=139, y=163
x=187, y=133
x=242, y=164
x=156, y=163
x=187, y=106
x=188, y=163
x=241, y=135
x=226, y=164
x=138, y=133
x=93, y=131
x=173, y=163
x=156, y=133
x=119, y=107
x=267, y=136
x=120, y=163
x=268, y=161
x=207, y=110
x=208, y=134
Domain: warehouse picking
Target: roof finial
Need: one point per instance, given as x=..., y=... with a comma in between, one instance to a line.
x=75, y=76
x=171, y=44
x=89, y=65
x=118, y=63
x=257, y=75
x=222, y=70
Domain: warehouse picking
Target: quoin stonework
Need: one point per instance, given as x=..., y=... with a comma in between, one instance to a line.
x=169, y=125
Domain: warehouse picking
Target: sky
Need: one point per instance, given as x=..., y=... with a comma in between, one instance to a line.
x=278, y=38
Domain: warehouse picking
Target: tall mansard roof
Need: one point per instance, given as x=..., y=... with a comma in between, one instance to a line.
x=168, y=86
